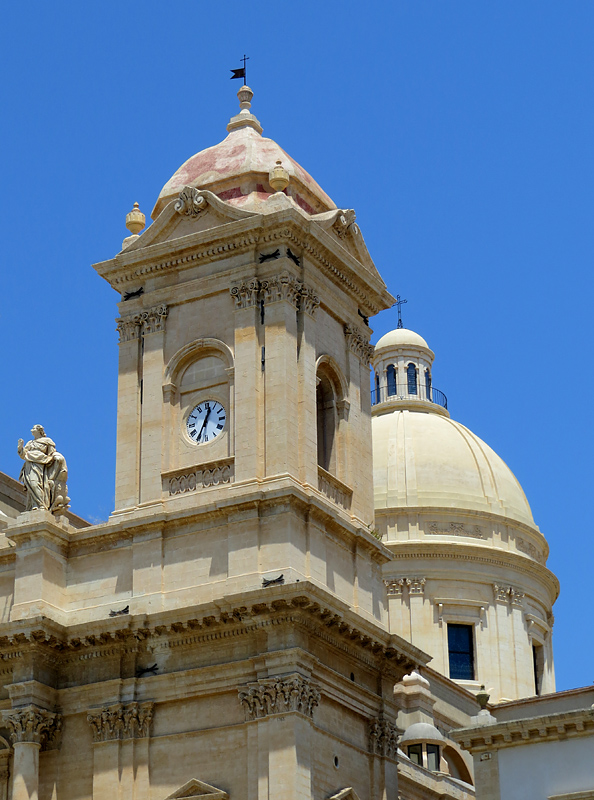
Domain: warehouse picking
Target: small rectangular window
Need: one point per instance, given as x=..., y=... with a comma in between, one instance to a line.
x=415, y=753
x=461, y=652
x=433, y=757
x=538, y=661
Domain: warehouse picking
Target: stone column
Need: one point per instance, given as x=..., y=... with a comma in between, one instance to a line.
x=359, y=472
x=128, y=417
x=281, y=709
x=383, y=744
x=114, y=730
x=280, y=295
x=151, y=407
x=249, y=458
x=306, y=388
x=31, y=728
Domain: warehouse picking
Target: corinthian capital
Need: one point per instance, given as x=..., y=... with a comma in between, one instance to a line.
x=130, y=721
x=279, y=696
x=358, y=343
x=33, y=724
x=383, y=737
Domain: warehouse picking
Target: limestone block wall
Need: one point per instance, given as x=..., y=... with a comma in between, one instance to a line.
x=152, y=565
x=505, y=595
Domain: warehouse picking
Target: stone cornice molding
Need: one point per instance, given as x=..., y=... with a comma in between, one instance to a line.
x=279, y=696
x=358, y=343
x=236, y=237
x=151, y=320
x=550, y=728
x=478, y=554
x=119, y=721
x=383, y=737
x=34, y=725
x=303, y=605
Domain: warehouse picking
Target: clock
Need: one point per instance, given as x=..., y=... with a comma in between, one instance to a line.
x=206, y=421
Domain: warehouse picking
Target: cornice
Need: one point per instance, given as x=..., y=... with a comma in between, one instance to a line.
x=242, y=235
x=549, y=728
x=301, y=604
x=479, y=554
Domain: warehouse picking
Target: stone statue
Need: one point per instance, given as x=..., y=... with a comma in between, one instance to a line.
x=44, y=473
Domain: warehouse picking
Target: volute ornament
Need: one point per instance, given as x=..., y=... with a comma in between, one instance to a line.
x=190, y=202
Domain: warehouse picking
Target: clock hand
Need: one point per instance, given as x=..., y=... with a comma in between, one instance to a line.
x=204, y=423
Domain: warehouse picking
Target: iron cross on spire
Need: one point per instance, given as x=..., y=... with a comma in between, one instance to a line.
x=399, y=303
x=242, y=71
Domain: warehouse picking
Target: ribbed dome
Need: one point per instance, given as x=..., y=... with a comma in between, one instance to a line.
x=238, y=168
x=424, y=459
x=401, y=337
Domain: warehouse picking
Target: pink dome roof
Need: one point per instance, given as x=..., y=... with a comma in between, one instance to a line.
x=237, y=170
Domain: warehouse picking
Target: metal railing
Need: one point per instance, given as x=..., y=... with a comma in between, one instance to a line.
x=403, y=392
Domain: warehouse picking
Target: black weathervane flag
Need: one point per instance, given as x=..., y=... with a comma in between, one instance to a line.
x=241, y=72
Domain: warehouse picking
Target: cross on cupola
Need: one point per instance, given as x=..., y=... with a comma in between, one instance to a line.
x=399, y=303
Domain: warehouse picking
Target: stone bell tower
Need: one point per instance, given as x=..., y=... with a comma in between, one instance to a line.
x=224, y=633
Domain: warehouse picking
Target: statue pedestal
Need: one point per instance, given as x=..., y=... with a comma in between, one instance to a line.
x=41, y=543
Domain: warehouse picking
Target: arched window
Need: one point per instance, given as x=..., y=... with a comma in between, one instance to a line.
x=391, y=378
x=377, y=389
x=411, y=377
x=326, y=423
x=427, y=384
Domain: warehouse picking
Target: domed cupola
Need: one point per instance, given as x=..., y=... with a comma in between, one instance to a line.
x=468, y=581
x=402, y=364
x=241, y=167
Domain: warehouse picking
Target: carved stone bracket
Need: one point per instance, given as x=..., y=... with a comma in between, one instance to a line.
x=190, y=202
x=279, y=696
x=383, y=737
x=152, y=320
x=508, y=594
x=36, y=725
x=358, y=343
x=130, y=721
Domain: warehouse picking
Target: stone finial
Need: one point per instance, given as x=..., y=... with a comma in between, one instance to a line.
x=482, y=697
x=245, y=118
x=279, y=177
x=135, y=220
x=245, y=95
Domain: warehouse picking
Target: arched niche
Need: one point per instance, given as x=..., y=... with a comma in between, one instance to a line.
x=201, y=370
x=332, y=407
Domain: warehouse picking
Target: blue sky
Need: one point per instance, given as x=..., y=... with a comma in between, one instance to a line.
x=461, y=133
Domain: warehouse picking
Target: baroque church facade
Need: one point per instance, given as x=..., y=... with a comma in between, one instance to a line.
x=304, y=582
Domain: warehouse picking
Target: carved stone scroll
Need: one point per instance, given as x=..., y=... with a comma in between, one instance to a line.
x=130, y=721
x=190, y=202
x=359, y=344
x=33, y=724
x=383, y=737
x=279, y=696
x=345, y=221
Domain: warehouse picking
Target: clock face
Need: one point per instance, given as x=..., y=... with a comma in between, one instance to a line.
x=206, y=421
